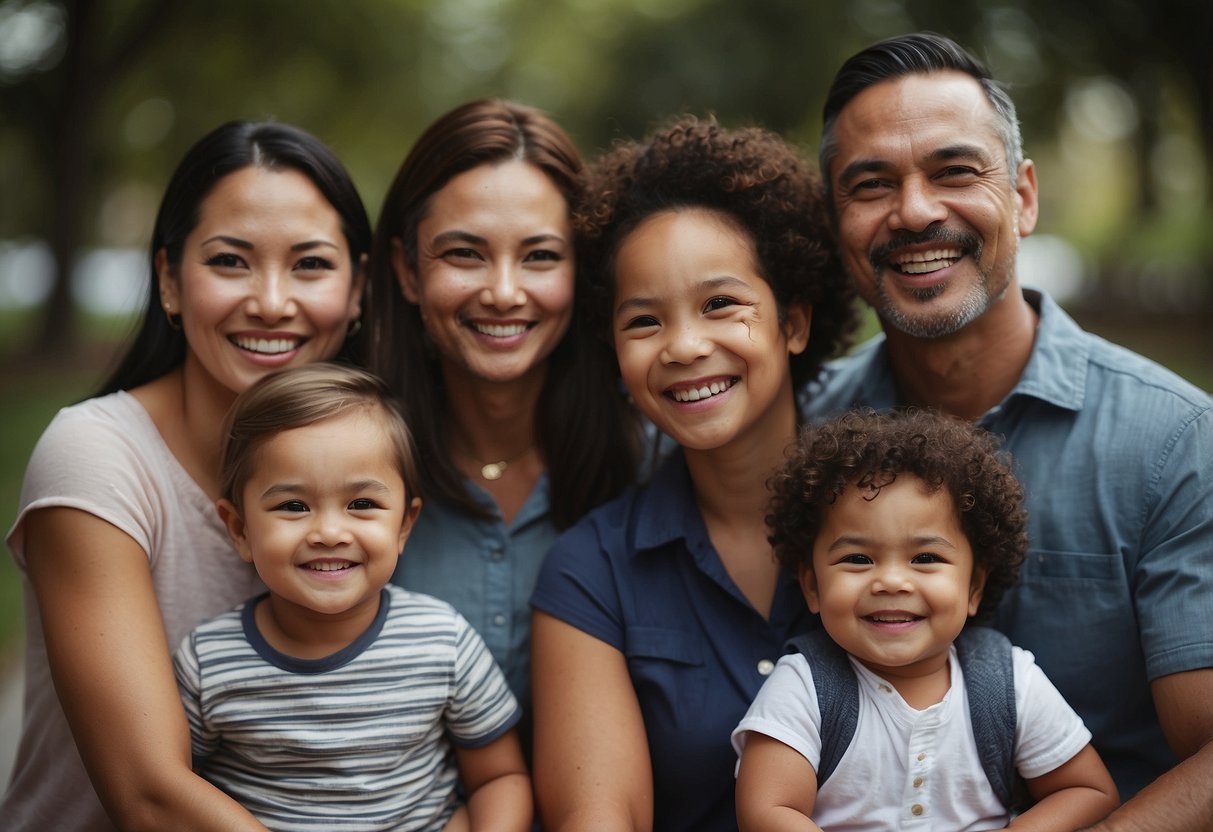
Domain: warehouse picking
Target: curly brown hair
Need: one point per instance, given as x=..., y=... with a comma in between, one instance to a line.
x=749, y=174
x=869, y=450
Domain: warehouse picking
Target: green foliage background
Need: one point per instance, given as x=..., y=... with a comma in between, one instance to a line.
x=91, y=128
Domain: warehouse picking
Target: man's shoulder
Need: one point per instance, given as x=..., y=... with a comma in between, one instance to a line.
x=1080, y=370
x=1119, y=366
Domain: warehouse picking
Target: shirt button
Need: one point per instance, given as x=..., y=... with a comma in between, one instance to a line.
x=916, y=809
x=918, y=782
x=922, y=757
x=765, y=666
x=885, y=689
x=499, y=620
x=497, y=555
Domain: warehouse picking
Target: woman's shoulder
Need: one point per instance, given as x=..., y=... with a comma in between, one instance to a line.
x=118, y=410
x=95, y=431
x=104, y=456
x=641, y=517
x=92, y=432
x=605, y=523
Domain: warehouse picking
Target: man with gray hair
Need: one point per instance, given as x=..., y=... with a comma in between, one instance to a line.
x=930, y=193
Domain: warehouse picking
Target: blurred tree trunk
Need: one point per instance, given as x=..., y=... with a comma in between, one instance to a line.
x=69, y=135
x=85, y=75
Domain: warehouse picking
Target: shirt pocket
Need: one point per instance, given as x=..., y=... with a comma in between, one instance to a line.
x=1075, y=612
x=667, y=669
x=1046, y=565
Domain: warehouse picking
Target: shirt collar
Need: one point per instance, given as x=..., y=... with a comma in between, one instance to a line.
x=666, y=509
x=1056, y=371
x=536, y=507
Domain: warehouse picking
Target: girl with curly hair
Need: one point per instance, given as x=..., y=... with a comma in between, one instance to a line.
x=904, y=528
x=659, y=615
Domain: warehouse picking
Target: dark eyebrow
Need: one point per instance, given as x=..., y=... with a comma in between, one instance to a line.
x=235, y=242
x=310, y=244
x=723, y=282
x=447, y=237
x=633, y=303
x=933, y=540
x=861, y=166
x=297, y=488
x=959, y=151
x=942, y=154
x=543, y=238
x=848, y=540
x=282, y=488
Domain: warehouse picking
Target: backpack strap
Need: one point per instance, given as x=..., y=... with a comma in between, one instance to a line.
x=837, y=696
x=985, y=660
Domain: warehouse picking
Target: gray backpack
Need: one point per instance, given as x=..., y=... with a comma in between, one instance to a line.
x=985, y=661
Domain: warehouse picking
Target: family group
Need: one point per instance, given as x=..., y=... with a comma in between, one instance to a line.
x=560, y=499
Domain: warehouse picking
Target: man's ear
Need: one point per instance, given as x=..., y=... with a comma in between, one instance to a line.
x=236, y=530
x=808, y=586
x=797, y=323
x=976, y=588
x=406, y=525
x=1026, y=198
x=405, y=276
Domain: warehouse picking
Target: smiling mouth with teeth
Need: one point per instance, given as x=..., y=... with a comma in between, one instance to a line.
x=266, y=346
x=894, y=619
x=925, y=262
x=499, y=330
x=694, y=394
x=329, y=565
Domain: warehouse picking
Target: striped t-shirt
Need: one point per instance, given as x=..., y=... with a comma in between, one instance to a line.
x=359, y=740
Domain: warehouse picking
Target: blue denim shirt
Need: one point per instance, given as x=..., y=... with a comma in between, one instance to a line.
x=641, y=574
x=1116, y=456
x=485, y=570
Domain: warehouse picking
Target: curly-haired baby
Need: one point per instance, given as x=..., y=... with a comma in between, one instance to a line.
x=903, y=528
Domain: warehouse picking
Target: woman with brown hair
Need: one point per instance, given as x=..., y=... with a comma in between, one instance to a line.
x=520, y=423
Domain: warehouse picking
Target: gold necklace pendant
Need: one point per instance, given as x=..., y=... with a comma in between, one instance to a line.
x=493, y=470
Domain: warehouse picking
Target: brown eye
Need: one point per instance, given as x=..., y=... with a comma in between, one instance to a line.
x=226, y=260
x=314, y=264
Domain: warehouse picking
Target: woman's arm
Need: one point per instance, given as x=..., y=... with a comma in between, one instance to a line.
x=592, y=769
x=776, y=787
x=113, y=673
x=497, y=784
x=1071, y=796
